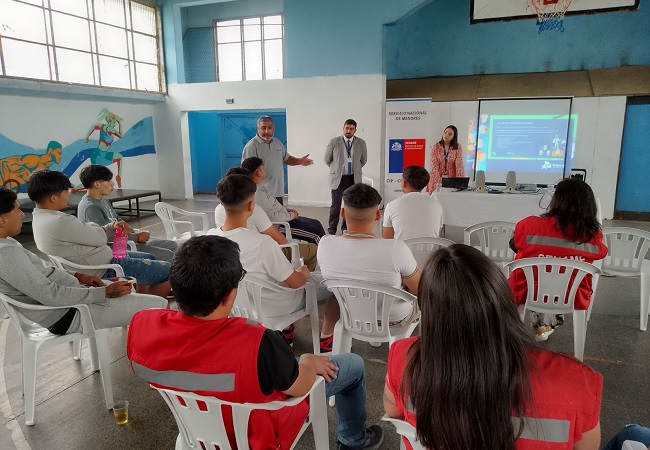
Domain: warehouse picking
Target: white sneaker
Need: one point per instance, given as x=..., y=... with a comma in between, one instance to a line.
x=375, y=344
x=542, y=333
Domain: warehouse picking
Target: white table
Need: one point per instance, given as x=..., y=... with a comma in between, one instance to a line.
x=462, y=209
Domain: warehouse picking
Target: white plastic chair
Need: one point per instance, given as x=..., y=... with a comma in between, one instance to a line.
x=406, y=430
x=365, y=311
x=633, y=445
x=174, y=227
x=202, y=426
x=287, y=229
x=627, y=249
x=423, y=247
x=64, y=264
x=494, y=239
x=550, y=289
x=250, y=296
x=33, y=337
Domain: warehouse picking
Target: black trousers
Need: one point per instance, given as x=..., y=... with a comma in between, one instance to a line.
x=337, y=198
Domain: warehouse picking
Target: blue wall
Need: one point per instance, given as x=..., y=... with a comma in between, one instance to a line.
x=632, y=192
x=335, y=37
x=439, y=41
x=338, y=37
x=198, y=55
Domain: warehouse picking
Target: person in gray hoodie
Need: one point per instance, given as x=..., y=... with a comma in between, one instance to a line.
x=27, y=278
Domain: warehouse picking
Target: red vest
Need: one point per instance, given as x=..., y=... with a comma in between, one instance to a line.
x=537, y=236
x=222, y=357
x=566, y=395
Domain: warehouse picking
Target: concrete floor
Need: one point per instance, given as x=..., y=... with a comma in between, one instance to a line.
x=70, y=411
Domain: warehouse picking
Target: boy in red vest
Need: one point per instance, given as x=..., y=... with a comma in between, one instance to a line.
x=165, y=345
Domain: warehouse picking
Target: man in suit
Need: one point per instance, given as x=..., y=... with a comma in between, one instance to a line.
x=345, y=155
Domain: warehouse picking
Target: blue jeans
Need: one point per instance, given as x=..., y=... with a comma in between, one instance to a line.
x=630, y=432
x=349, y=387
x=143, y=267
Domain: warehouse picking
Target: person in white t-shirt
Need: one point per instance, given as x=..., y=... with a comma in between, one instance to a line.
x=414, y=214
x=358, y=255
x=259, y=254
x=259, y=222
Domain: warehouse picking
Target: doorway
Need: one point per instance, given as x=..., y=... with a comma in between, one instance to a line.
x=217, y=139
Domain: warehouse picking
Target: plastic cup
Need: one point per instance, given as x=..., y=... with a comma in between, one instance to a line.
x=121, y=412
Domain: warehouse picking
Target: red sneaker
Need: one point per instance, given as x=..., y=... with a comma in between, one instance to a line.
x=289, y=333
x=326, y=344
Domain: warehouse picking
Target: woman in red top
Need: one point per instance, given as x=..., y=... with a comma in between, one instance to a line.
x=475, y=378
x=569, y=229
x=446, y=158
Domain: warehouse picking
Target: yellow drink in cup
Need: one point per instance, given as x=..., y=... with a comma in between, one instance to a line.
x=121, y=412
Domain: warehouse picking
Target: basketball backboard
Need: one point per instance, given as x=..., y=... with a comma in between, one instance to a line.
x=493, y=10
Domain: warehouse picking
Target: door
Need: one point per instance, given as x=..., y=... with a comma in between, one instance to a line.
x=217, y=139
x=632, y=199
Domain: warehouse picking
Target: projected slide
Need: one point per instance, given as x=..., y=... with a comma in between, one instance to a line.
x=531, y=143
x=533, y=137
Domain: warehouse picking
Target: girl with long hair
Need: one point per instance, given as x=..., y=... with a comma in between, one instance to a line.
x=569, y=229
x=475, y=377
x=446, y=158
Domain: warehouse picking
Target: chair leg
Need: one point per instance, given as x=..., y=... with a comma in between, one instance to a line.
x=318, y=417
x=92, y=349
x=30, y=353
x=579, y=333
x=76, y=350
x=315, y=331
x=645, y=299
x=101, y=340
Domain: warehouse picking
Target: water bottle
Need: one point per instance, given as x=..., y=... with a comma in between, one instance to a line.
x=120, y=242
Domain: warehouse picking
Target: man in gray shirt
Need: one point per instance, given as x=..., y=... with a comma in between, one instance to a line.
x=304, y=228
x=27, y=278
x=95, y=207
x=274, y=155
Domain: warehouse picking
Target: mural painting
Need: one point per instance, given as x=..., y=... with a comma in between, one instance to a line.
x=18, y=161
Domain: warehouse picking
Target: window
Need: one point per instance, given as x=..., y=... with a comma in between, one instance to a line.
x=250, y=49
x=110, y=43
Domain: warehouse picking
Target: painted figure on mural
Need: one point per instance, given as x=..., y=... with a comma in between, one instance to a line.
x=107, y=134
x=15, y=169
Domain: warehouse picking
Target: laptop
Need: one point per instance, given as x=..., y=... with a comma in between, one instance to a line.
x=456, y=183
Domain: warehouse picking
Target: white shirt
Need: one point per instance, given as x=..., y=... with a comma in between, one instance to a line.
x=378, y=261
x=414, y=215
x=258, y=221
x=262, y=256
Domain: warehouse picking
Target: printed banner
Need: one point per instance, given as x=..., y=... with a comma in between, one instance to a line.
x=408, y=138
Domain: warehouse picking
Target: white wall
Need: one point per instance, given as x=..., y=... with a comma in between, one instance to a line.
x=34, y=121
x=598, y=140
x=598, y=145
x=316, y=109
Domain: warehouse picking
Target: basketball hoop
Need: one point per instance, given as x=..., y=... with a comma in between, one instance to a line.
x=550, y=14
